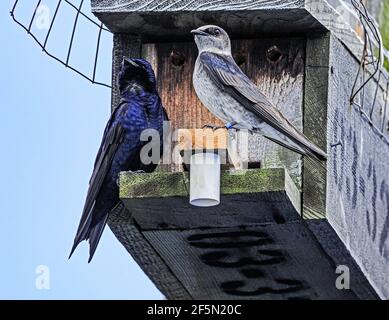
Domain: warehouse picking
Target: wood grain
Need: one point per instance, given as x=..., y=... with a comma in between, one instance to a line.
x=164, y=19
x=282, y=82
x=174, y=80
x=338, y=252
x=358, y=173
x=189, y=5
x=317, y=70
x=275, y=261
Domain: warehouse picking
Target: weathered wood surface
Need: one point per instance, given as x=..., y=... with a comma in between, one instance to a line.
x=166, y=19
x=277, y=67
x=276, y=261
x=358, y=173
x=333, y=246
x=160, y=200
x=271, y=261
x=190, y=5
x=155, y=20
x=281, y=80
x=345, y=6
x=341, y=21
x=174, y=64
x=317, y=71
x=163, y=19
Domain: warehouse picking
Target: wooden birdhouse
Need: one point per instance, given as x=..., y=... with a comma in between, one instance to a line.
x=255, y=244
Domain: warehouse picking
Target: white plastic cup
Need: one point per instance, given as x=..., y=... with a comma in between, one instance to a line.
x=204, y=179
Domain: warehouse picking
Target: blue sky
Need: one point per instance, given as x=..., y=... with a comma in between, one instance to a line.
x=51, y=125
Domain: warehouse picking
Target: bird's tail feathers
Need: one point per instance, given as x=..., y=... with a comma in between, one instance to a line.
x=311, y=151
x=82, y=235
x=316, y=154
x=285, y=145
x=95, y=235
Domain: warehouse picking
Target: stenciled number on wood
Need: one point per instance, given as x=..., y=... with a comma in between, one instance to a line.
x=243, y=250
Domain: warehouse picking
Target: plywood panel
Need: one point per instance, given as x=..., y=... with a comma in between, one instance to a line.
x=276, y=261
x=358, y=173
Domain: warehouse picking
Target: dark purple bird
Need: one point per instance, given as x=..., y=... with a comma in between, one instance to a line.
x=140, y=109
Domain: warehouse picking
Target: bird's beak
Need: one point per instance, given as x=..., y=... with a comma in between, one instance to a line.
x=132, y=62
x=198, y=32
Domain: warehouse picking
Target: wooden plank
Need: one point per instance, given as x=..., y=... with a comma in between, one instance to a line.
x=281, y=79
x=317, y=71
x=276, y=261
x=358, y=179
x=339, y=254
x=175, y=62
x=157, y=21
x=166, y=19
x=160, y=200
x=348, y=13
x=202, y=139
x=200, y=5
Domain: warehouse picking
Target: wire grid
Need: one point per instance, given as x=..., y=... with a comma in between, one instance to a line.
x=373, y=57
x=66, y=62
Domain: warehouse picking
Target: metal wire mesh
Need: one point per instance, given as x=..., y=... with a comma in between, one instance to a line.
x=372, y=66
x=78, y=13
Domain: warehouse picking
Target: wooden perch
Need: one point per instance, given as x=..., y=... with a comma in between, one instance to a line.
x=192, y=141
x=202, y=139
x=228, y=146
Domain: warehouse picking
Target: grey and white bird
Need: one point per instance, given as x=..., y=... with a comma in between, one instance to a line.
x=231, y=96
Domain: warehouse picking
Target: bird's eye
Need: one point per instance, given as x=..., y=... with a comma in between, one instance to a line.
x=217, y=32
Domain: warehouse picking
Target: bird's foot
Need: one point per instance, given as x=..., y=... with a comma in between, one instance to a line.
x=228, y=126
x=231, y=125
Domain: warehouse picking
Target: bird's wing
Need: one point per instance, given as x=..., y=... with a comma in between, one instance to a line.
x=229, y=77
x=112, y=138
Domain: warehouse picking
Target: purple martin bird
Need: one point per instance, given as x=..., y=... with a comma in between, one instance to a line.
x=232, y=97
x=140, y=108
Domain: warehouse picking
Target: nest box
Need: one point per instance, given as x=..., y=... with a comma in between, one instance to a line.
x=300, y=54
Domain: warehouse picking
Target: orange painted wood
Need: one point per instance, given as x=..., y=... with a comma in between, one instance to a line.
x=202, y=139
